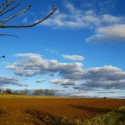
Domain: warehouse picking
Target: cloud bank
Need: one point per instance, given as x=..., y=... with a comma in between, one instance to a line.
x=6, y=80
x=71, y=74
x=114, y=33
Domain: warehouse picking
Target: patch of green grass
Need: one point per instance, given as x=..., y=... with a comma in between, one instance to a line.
x=116, y=117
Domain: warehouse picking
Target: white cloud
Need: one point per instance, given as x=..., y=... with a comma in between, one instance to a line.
x=107, y=27
x=101, y=25
x=55, y=81
x=106, y=77
x=111, y=19
x=33, y=64
x=73, y=17
x=52, y=51
x=64, y=82
x=113, y=33
x=73, y=57
x=71, y=74
x=78, y=18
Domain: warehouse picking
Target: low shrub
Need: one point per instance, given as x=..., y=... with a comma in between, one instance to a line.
x=116, y=117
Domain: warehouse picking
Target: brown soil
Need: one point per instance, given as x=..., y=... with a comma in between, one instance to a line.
x=35, y=111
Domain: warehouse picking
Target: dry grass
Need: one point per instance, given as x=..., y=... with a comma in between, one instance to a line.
x=28, y=110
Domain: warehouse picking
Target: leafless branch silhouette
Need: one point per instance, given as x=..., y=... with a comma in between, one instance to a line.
x=4, y=10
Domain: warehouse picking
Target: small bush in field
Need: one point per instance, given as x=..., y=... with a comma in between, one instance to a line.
x=116, y=117
x=122, y=108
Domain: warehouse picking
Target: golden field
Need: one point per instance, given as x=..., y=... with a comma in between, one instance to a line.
x=37, y=110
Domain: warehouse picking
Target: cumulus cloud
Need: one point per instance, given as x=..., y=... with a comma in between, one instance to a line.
x=72, y=74
x=113, y=33
x=73, y=57
x=106, y=77
x=78, y=18
x=6, y=80
x=111, y=19
x=103, y=77
x=33, y=64
x=64, y=82
x=55, y=81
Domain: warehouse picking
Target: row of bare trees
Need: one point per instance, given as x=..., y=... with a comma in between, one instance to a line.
x=38, y=92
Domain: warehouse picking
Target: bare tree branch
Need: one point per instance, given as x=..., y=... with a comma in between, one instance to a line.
x=6, y=5
x=9, y=35
x=4, y=10
x=23, y=11
x=11, y=8
x=31, y=25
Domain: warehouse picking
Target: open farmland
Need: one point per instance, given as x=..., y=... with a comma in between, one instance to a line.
x=28, y=110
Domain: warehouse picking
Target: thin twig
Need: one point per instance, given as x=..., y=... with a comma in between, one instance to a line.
x=9, y=3
x=1, y=5
x=11, y=8
x=31, y=25
x=23, y=11
x=9, y=35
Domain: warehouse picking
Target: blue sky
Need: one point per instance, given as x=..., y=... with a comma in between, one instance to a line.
x=77, y=51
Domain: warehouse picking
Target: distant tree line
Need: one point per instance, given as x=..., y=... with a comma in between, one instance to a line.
x=38, y=92
x=45, y=92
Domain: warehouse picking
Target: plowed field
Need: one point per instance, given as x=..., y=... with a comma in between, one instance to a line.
x=21, y=110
